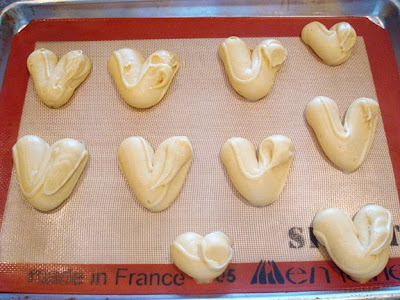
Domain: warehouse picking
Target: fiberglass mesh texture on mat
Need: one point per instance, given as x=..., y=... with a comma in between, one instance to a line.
x=101, y=222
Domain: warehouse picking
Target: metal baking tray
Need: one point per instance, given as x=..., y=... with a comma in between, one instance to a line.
x=385, y=13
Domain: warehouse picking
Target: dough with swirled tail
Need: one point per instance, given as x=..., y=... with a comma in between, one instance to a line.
x=155, y=178
x=333, y=46
x=259, y=181
x=142, y=83
x=252, y=72
x=202, y=258
x=347, y=145
x=359, y=247
x=48, y=174
x=55, y=81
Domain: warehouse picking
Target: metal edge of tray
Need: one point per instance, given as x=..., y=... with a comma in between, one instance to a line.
x=385, y=13
x=386, y=294
x=390, y=294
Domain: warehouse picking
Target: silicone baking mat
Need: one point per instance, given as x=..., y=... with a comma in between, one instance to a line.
x=101, y=222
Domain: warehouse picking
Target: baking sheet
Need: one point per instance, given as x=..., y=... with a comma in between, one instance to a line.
x=265, y=275
x=103, y=223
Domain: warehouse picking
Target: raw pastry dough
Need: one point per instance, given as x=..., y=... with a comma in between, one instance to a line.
x=55, y=81
x=333, y=46
x=252, y=73
x=142, y=83
x=346, y=146
x=203, y=258
x=259, y=181
x=47, y=175
x=359, y=247
x=155, y=178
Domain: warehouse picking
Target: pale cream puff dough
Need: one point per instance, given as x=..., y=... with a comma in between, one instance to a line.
x=55, y=81
x=48, y=174
x=155, y=178
x=347, y=146
x=359, y=247
x=202, y=258
x=142, y=83
x=333, y=46
x=260, y=181
x=252, y=72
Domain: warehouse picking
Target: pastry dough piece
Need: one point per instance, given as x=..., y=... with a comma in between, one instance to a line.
x=333, y=46
x=48, y=174
x=155, y=178
x=359, y=247
x=346, y=146
x=55, y=81
x=142, y=83
x=252, y=73
x=203, y=258
x=259, y=181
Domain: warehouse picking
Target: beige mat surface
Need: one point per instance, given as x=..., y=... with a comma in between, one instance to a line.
x=103, y=223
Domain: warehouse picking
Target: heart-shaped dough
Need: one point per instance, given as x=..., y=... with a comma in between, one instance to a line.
x=333, y=46
x=259, y=181
x=55, y=81
x=142, y=83
x=359, y=247
x=252, y=73
x=346, y=146
x=203, y=258
x=155, y=178
x=47, y=175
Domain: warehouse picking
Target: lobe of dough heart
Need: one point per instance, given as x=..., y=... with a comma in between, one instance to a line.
x=155, y=178
x=47, y=175
x=55, y=81
x=142, y=83
x=203, y=258
x=252, y=73
x=346, y=146
x=259, y=181
x=333, y=46
x=359, y=247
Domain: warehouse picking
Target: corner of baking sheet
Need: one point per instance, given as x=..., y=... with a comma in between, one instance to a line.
x=377, y=20
x=15, y=15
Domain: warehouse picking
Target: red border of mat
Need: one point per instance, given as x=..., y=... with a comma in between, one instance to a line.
x=276, y=277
